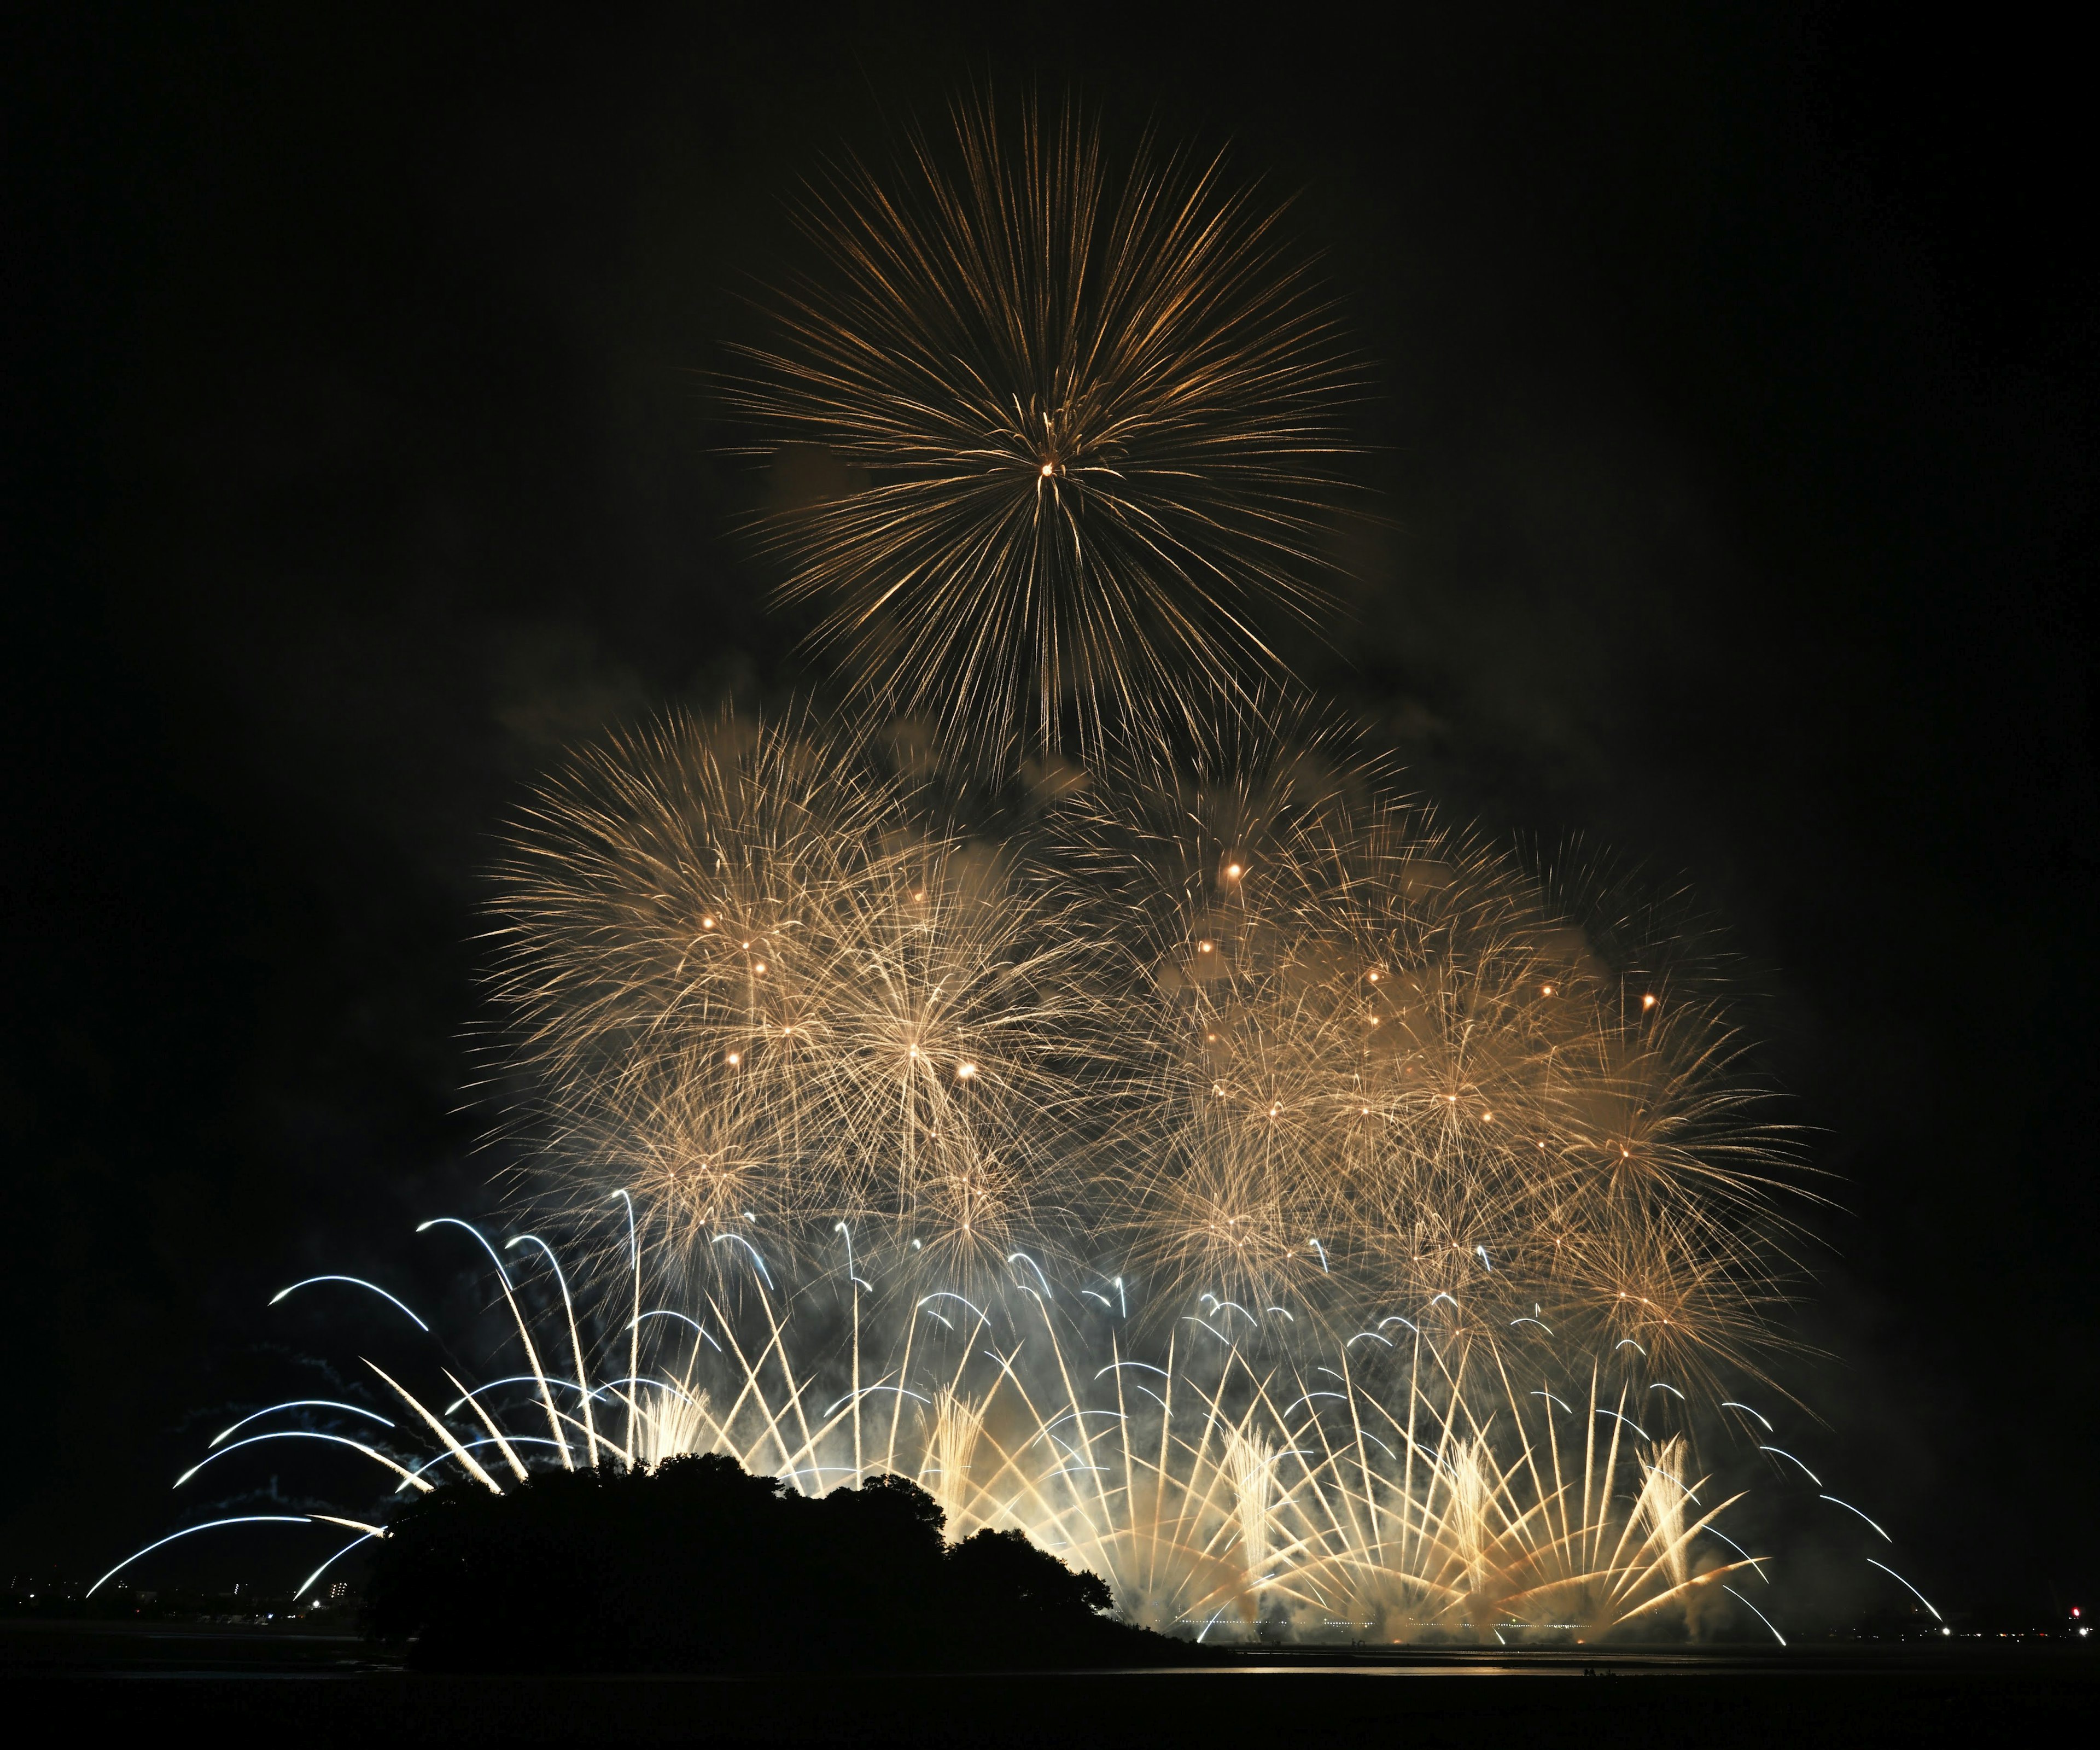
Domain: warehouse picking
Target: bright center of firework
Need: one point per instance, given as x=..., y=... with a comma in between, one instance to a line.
x=1048, y=468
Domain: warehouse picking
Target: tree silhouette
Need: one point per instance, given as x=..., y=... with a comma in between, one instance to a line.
x=698, y=1565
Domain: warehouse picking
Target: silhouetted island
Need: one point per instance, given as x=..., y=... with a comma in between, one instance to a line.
x=699, y=1565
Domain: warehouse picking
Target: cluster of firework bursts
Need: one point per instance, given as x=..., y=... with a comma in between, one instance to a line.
x=1402, y=1230
x=1304, y=1213
x=1242, y=1025
x=1286, y=1207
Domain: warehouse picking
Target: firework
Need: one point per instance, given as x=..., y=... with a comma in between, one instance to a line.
x=1384, y=1059
x=766, y=990
x=1247, y=1023
x=1250, y=1188
x=1092, y=418
x=1241, y=1477
x=1292, y=1209
x=1256, y=1191
x=1424, y=1479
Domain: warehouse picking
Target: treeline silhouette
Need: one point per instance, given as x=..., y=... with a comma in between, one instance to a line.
x=700, y=1565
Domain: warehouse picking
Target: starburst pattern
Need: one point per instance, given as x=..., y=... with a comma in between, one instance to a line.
x=1092, y=415
x=752, y=983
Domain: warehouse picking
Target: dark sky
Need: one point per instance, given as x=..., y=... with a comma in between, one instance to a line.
x=1736, y=421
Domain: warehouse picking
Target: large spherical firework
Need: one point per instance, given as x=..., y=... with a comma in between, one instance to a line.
x=1384, y=1064
x=1087, y=422
x=754, y=984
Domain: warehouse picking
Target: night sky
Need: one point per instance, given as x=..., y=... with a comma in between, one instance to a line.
x=1734, y=432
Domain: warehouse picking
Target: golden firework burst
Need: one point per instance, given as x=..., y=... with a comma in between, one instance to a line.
x=1085, y=421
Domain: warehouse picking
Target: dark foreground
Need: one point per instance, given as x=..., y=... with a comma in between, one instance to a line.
x=175, y=1683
